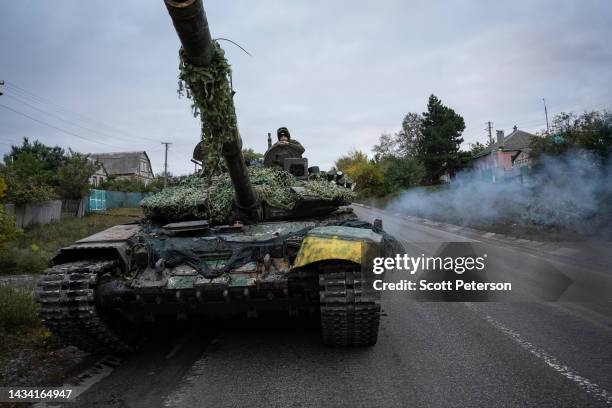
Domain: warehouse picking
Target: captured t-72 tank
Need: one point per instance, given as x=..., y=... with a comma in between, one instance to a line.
x=232, y=239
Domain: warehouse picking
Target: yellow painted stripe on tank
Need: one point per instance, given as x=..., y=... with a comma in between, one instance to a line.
x=315, y=249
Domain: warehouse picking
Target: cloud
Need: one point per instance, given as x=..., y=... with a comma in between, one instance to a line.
x=336, y=73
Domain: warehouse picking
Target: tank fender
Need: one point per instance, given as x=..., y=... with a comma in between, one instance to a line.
x=338, y=243
x=115, y=242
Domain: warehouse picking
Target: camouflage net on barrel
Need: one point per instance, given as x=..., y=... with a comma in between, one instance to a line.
x=210, y=194
x=201, y=198
x=211, y=92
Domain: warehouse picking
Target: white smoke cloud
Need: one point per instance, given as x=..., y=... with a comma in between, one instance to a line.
x=572, y=191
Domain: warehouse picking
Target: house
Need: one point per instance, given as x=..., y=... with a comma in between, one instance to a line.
x=132, y=165
x=100, y=176
x=507, y=158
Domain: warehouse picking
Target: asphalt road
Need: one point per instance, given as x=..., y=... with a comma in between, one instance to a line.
x=460, y=354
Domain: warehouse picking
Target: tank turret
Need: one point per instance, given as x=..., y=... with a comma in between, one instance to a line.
x=191, y=25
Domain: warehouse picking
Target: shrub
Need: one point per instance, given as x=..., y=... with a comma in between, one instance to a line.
x=126, y=185
x=8, y=231
x=17, y=261
x=74, y=174
x=368, y=176
x=17, y=310
x=22, y=193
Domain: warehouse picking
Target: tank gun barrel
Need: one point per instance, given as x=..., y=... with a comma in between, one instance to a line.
x=191, y=24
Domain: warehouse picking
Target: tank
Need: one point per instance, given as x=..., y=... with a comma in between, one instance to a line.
x=284, y=240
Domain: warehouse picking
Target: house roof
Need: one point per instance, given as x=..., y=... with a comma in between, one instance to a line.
x=517, y=140
x=117, y=163
x=99, y=163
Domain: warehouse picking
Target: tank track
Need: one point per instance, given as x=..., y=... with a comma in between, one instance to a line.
x=347, y=319
x=66, y=294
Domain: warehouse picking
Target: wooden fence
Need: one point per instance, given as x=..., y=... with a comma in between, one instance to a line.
x=35, y=214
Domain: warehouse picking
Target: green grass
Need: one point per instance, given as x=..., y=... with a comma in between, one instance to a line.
x=20, y=326
x=31, y=250
x=19, y=321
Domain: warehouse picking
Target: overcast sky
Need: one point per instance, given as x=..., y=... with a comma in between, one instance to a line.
x=337, y=74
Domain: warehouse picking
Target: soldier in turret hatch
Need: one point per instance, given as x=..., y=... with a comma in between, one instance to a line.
x=283, y=135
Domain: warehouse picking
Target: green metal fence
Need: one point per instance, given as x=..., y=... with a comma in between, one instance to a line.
x=100, y=200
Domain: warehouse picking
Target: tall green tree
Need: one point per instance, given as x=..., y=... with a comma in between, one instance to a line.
x=74, y=174
x=387, y=147
x=409, y=137
x=26, y=179
x=438, y=148
x=403, y=143
x=49, y=157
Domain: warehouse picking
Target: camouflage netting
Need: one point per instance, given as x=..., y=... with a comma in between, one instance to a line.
x=199, y=198
x=210, y=90
x=210, y=194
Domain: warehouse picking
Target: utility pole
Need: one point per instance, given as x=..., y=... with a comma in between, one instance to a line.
x=166, y=164
x=546, y=113
x=489, y=127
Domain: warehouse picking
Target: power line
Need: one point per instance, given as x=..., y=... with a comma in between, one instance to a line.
x=63, y=119
x=55, y=127
x=80, y=117
x=44, y=100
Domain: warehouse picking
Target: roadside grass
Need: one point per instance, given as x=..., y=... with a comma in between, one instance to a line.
x=19, y=321
x=23, y=338
x=31, y=250
x=21, y=330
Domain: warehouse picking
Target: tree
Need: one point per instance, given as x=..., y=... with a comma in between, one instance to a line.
x=250, y=155
x=591, y=131
x=367, y=175
x=401, y=173
x=438, y=148
x=401, y=144
x=476, y=149
x=26, y=179
x=410, y=135
x=3, y=187
x=49, y=158
x=344, y=163
x=8, y=231
x=387, y=147
x=74, y=175
x=125, y=184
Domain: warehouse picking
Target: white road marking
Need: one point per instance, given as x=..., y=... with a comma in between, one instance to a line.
x=87, y=379
x=551, y=361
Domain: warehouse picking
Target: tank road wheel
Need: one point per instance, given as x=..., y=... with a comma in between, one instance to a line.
x=347, y=319
x=66, y=295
